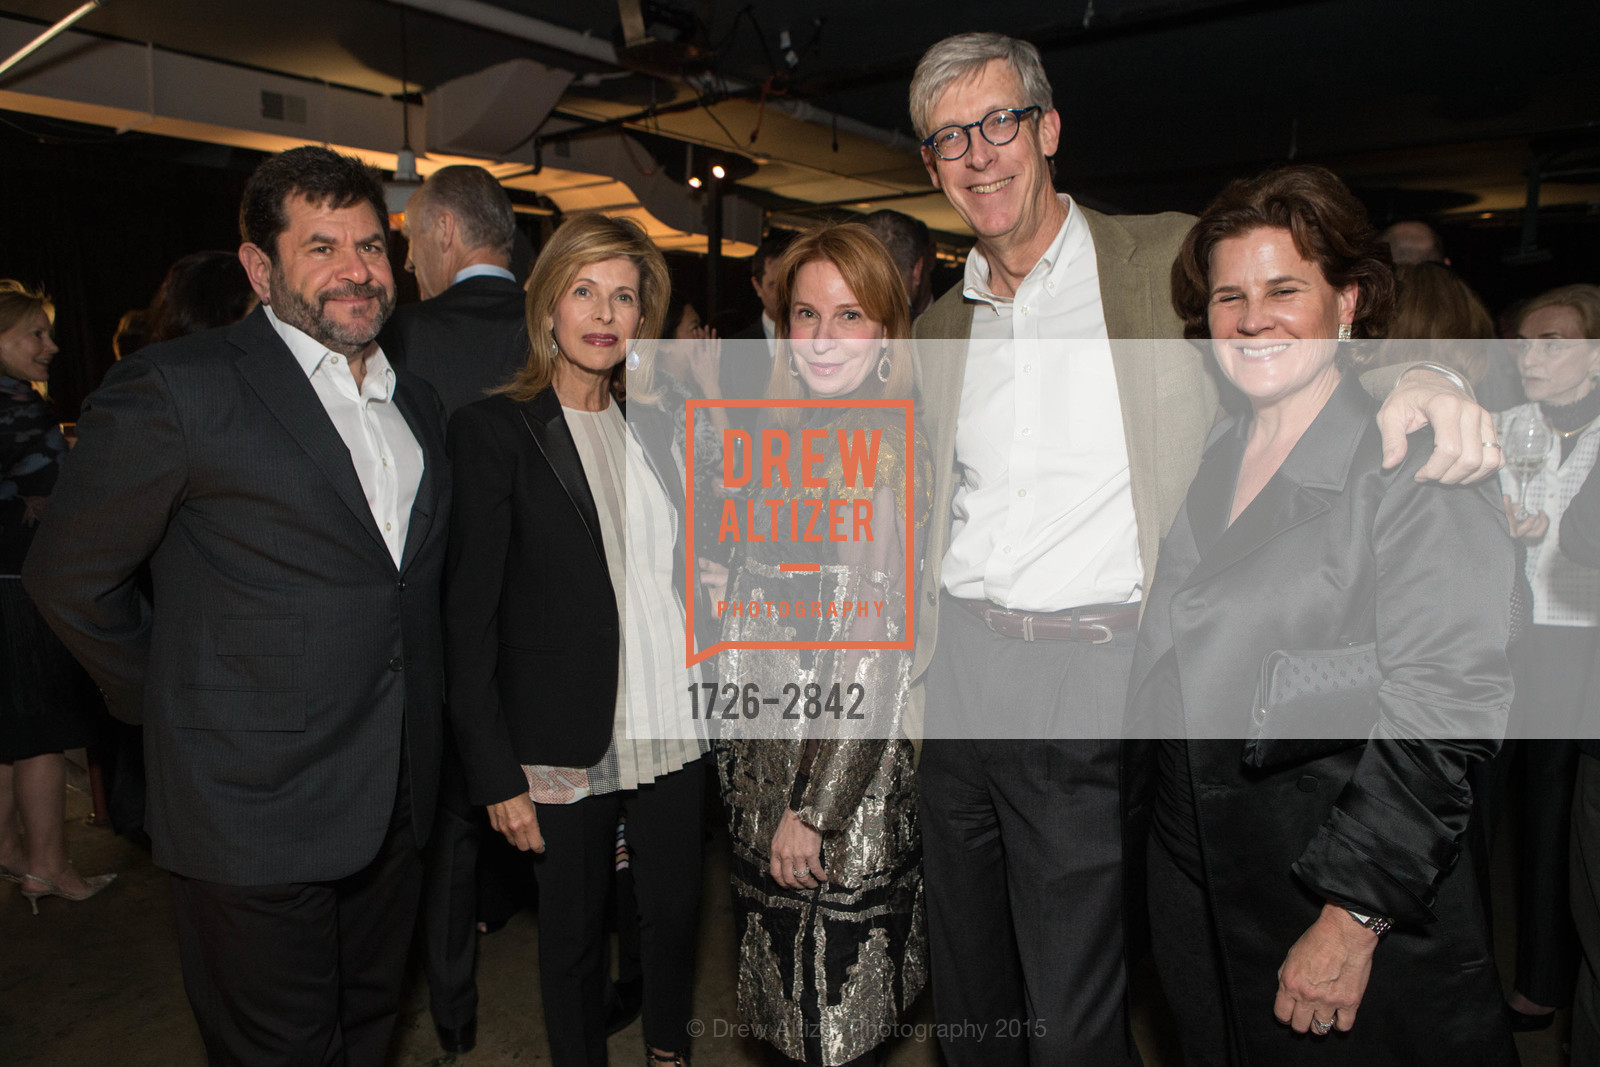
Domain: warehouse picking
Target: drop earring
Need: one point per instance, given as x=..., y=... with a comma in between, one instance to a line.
x=633, y=359
x=884, y=368
x=1345, y=332
x=794, y=371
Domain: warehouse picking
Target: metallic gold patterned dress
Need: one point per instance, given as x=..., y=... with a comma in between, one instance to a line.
x=825, y=974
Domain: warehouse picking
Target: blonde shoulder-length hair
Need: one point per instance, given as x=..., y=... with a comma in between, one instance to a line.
x=585, y=238
x=870, y=272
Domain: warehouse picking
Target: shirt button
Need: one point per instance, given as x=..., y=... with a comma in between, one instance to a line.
x=388, y=526
x=1025, y=431
x=1022, y=492
x=333, y=359
x=1027, y=368
x=1006, y=550
x=385, y=461
x=1024, y=309
x=397, y=665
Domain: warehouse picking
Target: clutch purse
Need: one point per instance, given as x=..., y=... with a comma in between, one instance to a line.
x=1311, y=704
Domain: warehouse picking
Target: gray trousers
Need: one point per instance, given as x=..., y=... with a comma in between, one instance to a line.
x=1022, y=848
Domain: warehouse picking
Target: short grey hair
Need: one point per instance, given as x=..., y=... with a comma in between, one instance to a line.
x=906, y=238
x=964, y=55
x=481, y=207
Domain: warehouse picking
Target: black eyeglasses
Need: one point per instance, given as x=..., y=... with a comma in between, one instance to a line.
x=998, y=127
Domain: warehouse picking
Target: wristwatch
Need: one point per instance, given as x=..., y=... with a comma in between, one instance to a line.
x=1376, y=923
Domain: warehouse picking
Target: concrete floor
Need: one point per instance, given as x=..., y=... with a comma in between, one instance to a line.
x=97, y=983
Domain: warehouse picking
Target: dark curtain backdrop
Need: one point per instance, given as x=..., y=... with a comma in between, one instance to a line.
x=97, y=222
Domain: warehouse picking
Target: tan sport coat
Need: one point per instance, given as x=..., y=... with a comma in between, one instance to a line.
x=1169, y=399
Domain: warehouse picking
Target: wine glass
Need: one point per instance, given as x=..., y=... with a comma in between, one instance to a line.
x=1525, y=444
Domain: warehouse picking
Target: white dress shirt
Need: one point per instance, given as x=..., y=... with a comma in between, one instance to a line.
x=1043, y=514
x=386, y=456
x=482, y=270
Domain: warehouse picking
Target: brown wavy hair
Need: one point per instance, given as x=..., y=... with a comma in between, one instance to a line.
x=872, y=276
x=584, y=238
x=1329, y=227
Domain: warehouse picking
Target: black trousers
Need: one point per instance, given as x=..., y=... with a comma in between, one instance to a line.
x=575, y=875
x=306, y=973
x=449, y=921
x=1022, y=851
x=1188, y=961
x=1536, y=778
x=1586, y=910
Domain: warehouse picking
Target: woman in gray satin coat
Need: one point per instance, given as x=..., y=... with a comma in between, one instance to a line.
x=1318, y=909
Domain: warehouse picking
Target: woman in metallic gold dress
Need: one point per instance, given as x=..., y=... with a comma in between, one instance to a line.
x=822, y=804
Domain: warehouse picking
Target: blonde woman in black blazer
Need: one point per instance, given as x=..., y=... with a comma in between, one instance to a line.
x=1272, y=886
x=533, y=643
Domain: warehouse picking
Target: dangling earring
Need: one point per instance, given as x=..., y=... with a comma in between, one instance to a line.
x=555, y=350
x=884, y=368
x=633, y=359
x=794, y=371
x=1344, y=331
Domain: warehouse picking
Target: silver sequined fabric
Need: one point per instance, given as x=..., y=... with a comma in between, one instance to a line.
x=825, y=975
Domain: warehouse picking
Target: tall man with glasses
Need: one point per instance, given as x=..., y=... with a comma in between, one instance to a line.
x=1059, y=476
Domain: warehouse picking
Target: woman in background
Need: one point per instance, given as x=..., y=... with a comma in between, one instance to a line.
x=40, y=691
x=1559, y=360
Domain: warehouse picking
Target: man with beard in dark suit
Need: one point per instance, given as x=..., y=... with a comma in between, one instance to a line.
x=289, y=491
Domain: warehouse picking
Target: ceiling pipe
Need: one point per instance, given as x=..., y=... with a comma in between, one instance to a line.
x=489, y=17
x=537, y=31
x=48, y=35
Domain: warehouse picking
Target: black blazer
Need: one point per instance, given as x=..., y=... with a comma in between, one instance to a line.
x=284, y=653
x=531, y=622
x=467, y=340
x=1335, y=551
x=1580, y=542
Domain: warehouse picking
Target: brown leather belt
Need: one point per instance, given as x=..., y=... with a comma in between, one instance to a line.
x=1094, y=625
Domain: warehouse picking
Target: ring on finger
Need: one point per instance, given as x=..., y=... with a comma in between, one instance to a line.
x=1320, y=1027
x=1491, y=444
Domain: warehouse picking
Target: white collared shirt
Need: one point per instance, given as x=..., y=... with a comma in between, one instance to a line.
x=1043, y=514
x=482, y=270
x=385, y=453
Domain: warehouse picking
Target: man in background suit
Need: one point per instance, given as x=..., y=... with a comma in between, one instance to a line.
x=289, y=491
x=467, y=336
x=744, y=372
x=1056, y=474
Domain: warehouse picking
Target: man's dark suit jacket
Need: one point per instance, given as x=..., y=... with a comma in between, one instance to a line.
x=467, y=340
x=284, y=652
x=743, y=374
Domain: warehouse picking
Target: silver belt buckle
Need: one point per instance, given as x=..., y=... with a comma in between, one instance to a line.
x=1103, y=629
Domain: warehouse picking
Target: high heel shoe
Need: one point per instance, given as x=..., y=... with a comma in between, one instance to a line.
x=95, y=884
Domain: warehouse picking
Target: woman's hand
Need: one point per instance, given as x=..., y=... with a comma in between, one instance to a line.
x=1531, y=529
x=714, y=576
x=797, y=854
x=1325, y=974
x=518, y=821
x=705, y=363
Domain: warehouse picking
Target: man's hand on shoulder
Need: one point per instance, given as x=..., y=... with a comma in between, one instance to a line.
x=1465, y=448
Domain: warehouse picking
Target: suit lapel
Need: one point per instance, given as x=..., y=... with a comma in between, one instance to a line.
x=269, y=368
x=426, y=431
x=542, y=415
x=1302, y=488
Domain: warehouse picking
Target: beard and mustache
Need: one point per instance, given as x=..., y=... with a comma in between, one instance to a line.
x=310, y=315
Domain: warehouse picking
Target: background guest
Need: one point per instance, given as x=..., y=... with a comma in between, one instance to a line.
x=564, y=703
x=1559, y=360
x=41, y=697
x=1432, y=303
x=1413, y=241
x=910, y=245
x=201, y=291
